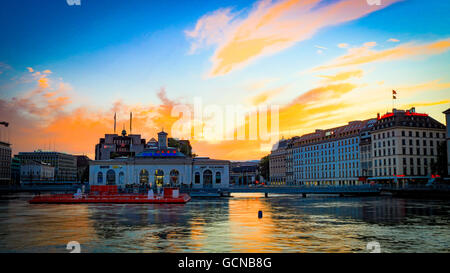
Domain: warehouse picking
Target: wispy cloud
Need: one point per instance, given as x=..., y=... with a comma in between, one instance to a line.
x=342, y=76
x=271, y=27
x=343, y=45
x=364, y=54
x=266, y=95
x=210, y=29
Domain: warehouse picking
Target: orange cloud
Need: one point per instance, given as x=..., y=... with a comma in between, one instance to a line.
x=363, y=55
x=274, y=26
x=43, y=82
x=266, y=95
x=343, y=76
x=426, y=104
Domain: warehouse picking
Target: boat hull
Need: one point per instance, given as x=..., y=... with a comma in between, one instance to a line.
x=110, y=199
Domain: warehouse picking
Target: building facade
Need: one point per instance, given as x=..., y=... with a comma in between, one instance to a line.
x=447, y=123
x=290, y=178
x=5, y=163
x=404, y=145
x=114, y=145
x=36, y=172
x=277, y=163
x=365, y=151
x=15, y=170
x=244, y=173
x=160, y=165
x=65, y=164
x=83, y=168
x=329, y=157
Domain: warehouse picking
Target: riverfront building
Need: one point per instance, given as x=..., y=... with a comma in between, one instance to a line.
x=158, y=165
x=32, y=171
x=329, y=157
x=244, y=173
x=405, y=146
x=277, y=163
x=447, y=122
x=5, y=163
x=15, y=170
x=114, y=145
x=65, y=164
x=401, y=146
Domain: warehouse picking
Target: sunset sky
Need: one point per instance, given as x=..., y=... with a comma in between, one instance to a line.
x=65, y=70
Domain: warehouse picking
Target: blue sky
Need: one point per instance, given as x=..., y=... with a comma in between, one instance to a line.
x=109, y=51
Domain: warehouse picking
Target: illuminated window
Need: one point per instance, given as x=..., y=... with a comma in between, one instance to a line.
x=143, y=177
x=159, y=178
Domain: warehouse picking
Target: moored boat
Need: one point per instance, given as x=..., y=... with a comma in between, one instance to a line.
x=109, y=194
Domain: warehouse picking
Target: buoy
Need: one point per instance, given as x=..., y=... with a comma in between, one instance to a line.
x=260, y=215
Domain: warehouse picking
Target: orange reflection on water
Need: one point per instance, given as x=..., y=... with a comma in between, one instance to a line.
x=249, y=232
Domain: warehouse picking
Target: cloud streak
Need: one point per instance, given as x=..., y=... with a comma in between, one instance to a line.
x=271, y=27
x=364, y=54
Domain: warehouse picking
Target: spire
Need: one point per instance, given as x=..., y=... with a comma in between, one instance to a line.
x=114, y=122
x=131, y=119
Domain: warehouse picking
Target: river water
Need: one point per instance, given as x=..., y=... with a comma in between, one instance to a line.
x=290, y=223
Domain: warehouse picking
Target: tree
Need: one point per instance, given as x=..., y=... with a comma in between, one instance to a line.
x=184, y=146
x=440, y=166
x=264, y=167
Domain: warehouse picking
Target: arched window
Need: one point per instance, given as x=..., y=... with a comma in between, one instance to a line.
x=110, y=177
x=174, y=175
x=197, y=178
x=100, y=178
x=207, y=178
x=143, y=177
x=218, y=177
x=121, y=177
x=159, y=178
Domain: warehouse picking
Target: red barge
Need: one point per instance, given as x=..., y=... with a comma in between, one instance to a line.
x=109, y=194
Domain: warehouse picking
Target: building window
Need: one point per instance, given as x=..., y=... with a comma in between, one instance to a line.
x=197, y=178
x=100, y=178
x=159, y=178
x=207, y=178
x=218, y=177
x=143, y=177
x=121, y=177
x=110, y=177
x=174, y=174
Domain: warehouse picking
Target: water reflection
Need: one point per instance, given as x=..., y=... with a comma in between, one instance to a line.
x=289, y=224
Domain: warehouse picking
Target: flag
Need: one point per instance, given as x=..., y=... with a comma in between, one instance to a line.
x=394, y=92
x=394, y=97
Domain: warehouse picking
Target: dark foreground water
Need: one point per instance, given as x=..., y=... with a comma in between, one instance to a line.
x=289, y=224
